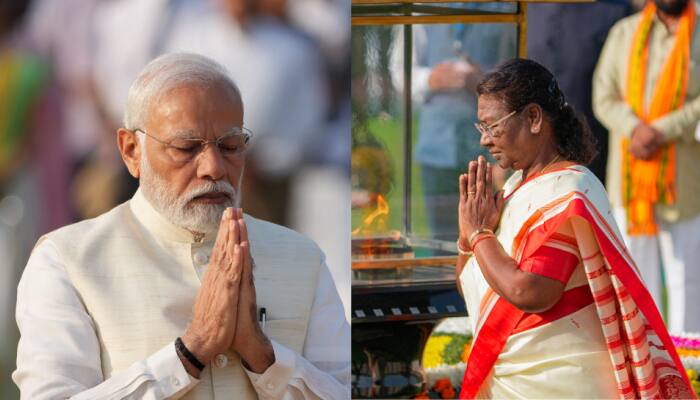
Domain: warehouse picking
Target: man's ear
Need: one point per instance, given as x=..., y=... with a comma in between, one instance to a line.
x=130, y=149
x=534, y=116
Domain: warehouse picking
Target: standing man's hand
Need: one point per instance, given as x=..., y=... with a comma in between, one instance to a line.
x=250, y=341
x=447, y=75
x=645, y=141
x=215, y=311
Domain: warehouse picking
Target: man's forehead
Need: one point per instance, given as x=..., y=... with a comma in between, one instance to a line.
x=189, y=110
x=198, y=94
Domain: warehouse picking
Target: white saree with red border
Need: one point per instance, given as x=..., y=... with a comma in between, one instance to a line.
x=604, y=338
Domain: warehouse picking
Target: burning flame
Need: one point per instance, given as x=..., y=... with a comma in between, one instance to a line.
x=369, y=245
x=379, y=214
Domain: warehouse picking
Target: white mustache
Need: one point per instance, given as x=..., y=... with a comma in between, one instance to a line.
x=212, y=187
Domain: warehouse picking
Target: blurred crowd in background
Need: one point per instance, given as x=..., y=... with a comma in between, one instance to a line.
x=66, y=67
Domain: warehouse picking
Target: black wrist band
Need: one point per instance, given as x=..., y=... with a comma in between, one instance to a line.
x=180, y=347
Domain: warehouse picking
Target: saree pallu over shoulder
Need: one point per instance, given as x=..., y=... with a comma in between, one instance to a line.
x=642, y=357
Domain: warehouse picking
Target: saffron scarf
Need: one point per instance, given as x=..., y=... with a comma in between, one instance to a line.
x=648, y=182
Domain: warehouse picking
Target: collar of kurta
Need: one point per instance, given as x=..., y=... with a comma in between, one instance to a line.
x=161, y=226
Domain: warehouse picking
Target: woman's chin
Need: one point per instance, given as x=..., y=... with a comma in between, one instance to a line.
x=501, y=161
x=509, y=163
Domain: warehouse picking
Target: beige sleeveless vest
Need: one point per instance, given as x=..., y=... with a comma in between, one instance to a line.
x=137, y=276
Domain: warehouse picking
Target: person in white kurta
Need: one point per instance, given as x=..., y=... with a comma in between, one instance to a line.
x=101, y=302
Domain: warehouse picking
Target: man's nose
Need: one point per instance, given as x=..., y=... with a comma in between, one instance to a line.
x=210, y=163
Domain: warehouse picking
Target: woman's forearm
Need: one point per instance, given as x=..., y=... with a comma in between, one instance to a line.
x=526, y=291
x=499, y=269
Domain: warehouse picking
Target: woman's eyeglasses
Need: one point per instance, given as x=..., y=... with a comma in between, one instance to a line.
x=488, y=129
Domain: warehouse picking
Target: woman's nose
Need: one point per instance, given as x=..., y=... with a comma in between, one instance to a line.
x=486, y=140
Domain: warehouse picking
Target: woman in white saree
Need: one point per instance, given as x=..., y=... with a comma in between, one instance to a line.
x=557, y=305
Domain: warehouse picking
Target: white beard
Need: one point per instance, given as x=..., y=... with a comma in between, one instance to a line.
x=195, y=217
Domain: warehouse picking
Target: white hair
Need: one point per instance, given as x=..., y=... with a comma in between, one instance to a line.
x=166, y=73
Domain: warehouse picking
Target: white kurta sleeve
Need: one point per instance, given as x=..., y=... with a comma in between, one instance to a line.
x=323, y=370
x=58, y=355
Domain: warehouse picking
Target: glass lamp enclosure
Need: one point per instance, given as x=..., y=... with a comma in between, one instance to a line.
x=410, y=140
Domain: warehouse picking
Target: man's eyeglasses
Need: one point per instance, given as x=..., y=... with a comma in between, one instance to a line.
x=181, y=150
x=488, y=129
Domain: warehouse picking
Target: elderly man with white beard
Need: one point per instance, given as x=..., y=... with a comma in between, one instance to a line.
x=156, y=298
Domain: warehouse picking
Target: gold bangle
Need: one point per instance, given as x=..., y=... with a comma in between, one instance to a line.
x=477, y=233
x=463, y=252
